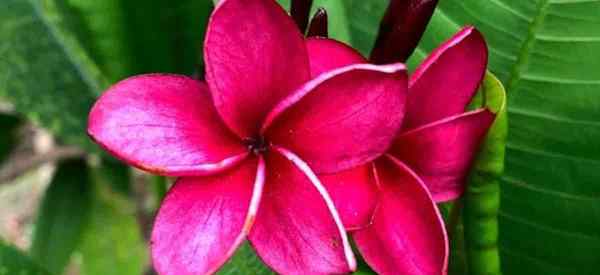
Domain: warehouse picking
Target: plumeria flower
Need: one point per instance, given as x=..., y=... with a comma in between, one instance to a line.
x=247, y=145
x=390, y=204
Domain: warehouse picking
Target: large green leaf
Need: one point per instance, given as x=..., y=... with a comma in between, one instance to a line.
x=44, y=72
x=244, y=262
x=14, y=262
x=167, y=36
x=547, y=52
x=363, y=22
x=100, y=28
x=127, y=37
x=62, y=216
x=112, y=242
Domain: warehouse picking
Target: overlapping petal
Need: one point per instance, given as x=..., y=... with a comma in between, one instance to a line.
x=342, y=118
x=441, y=153
x=407, y=235
x=165, y=124
x=255, y=56
x=447, y=80
x=327, y=54
x=354, y=193
x=203, y=220
x=297, y=229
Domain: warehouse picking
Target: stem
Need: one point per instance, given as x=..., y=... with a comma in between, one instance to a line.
x=21, y=165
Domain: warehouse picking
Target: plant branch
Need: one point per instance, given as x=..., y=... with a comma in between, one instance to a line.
x=22, y=163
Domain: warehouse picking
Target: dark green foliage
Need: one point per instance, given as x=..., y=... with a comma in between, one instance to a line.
x=62, y=216
x=14, y=262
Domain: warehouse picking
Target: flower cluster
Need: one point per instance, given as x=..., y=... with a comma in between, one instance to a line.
x=292, y=142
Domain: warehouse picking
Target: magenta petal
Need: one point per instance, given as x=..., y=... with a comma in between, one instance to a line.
x=327, y=54
x=343, y=118
x=255, y=56
x=165, y=124
x=297, y=229
x=203, y=220
x=442, y=152
x=354, y=193
x=445, y=82
x=407, y=235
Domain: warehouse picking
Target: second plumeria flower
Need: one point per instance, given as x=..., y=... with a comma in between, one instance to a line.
x=248, y=145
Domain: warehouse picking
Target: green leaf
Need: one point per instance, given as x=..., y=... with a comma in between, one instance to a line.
x=167, y=36
x=14, y=262
x=62, y=216
x=112, y=243
x=547, y=52
x=482, y=197
x=9, y=125
x=100, y=28
x=245, y=262
x=44, y=72
x=127, y=37
x=364, y=26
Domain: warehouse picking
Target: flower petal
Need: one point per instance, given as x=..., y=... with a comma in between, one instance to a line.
x=407, y=235
x=165, y=124
x=441, y=153
x=342, y=118
x=354, y=193
x=298, y=230
x=327, y=54
x=255, y=56
x=445, y=82
x=203, y=220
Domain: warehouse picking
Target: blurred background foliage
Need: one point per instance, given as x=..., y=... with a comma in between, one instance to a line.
x=67, y=208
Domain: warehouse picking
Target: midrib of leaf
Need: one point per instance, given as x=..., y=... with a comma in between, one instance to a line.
x=46, y=74
x=523, y=57
x=85, y=75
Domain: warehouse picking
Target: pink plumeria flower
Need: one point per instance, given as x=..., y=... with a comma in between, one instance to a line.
x=390, y=204
x=247, y=146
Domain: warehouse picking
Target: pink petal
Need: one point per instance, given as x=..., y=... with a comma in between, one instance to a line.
x=255, y=56
x=441, y=153
x=342, y=118
x=445, y=82
x=328, y=54
x=407, y=235
x=165, y=124
x=203, y=220
x=354, y=193
x=298, y=230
